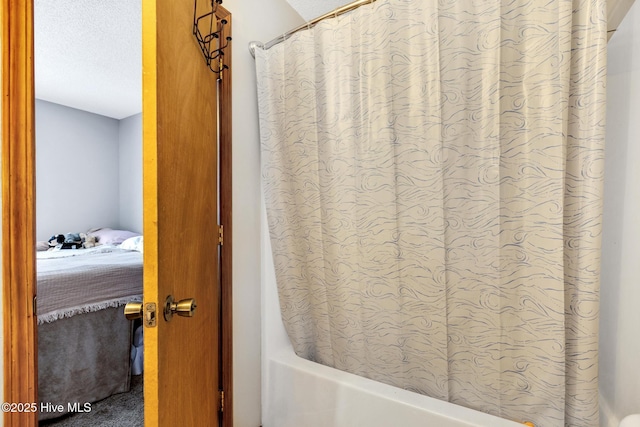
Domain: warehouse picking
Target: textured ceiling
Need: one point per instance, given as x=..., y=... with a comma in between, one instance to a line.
x=310, y=9
x=88, y=55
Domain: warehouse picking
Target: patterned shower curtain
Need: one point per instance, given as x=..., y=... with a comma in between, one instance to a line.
x=432, y=173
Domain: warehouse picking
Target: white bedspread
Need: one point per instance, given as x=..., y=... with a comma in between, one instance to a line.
x=79, y=281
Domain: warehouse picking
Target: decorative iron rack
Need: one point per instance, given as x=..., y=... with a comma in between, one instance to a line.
x=208, y=31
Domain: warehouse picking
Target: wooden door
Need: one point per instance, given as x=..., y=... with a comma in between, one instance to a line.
x=181, y=384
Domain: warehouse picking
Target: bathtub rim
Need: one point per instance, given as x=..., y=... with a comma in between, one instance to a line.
x=451, y=411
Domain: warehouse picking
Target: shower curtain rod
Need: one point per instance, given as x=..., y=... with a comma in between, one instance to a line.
x=339, y=11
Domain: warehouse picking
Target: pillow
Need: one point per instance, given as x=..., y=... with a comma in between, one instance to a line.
x=133, y=244
x=42, y=246
x=108, y=236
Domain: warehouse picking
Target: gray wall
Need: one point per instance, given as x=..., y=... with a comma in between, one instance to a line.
x=130, y=143
x=76, y=170
x=88, y=171
x=620, y=278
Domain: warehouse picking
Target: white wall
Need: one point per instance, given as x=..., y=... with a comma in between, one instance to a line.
x=130, y=169
x=88, y=171
x=76, y=170
x=311, y=9
x=251, y=20
x=620, y=279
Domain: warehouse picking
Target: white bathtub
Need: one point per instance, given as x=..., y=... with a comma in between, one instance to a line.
x=300, y=393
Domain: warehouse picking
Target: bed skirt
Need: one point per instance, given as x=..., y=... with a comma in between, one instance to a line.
x=83, y=359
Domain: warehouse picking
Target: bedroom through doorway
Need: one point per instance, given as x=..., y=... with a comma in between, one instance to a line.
x=163, y=20
x=89, y=215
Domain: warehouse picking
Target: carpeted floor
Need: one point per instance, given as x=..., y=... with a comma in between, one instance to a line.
x=120, y=410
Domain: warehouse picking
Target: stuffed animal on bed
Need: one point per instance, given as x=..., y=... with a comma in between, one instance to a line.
x=55, y=240
x=88, y=240
x=65, y=241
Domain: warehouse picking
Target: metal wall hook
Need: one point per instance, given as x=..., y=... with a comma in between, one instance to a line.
x=209, y=38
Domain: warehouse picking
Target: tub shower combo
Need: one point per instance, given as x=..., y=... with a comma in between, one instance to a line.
x=432, y=177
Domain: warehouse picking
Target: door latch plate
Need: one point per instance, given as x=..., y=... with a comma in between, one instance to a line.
x=150, y=318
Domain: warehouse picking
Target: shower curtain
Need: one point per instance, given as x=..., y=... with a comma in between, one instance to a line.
x=432, y=173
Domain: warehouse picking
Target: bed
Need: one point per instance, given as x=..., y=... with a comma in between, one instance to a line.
x=84, y=340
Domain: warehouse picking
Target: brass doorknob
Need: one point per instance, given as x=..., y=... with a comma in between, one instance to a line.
x=133, y=310
x=184, y=308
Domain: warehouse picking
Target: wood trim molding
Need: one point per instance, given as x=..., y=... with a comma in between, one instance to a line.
x=226, y=281
x=18, y=205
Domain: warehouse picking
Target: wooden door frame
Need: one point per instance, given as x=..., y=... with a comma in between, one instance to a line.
x=18, y=210
x=226, y=219
x=18, y=215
